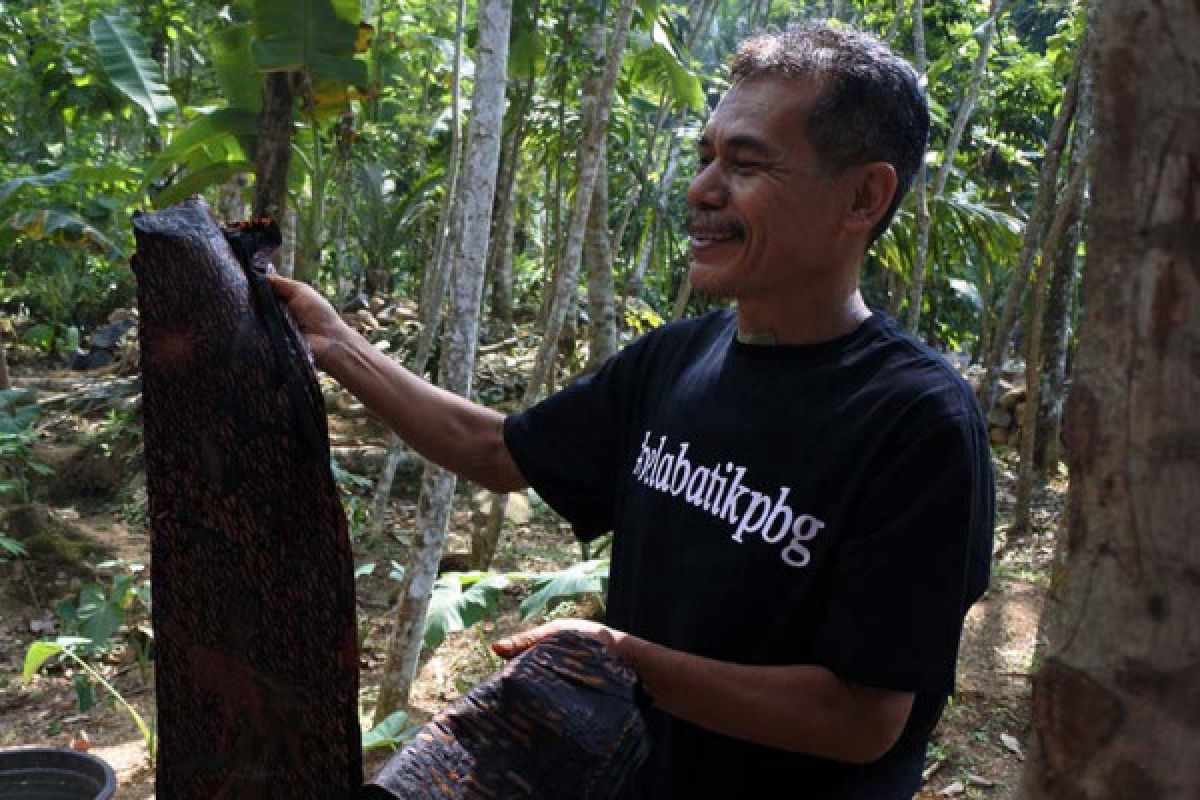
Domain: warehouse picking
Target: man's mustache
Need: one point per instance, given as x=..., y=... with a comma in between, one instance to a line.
x=710, y=222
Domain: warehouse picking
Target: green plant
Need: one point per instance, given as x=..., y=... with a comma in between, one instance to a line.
x=584, y=578
x=394, y=731
x=101, y=613
x=17, y=462
x=10, y=548
x=41, y=651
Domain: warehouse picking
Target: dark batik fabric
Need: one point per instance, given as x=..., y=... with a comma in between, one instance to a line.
x=256, y=656
x=559, y=721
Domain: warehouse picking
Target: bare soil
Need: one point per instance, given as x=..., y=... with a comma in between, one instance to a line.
x=976, y=751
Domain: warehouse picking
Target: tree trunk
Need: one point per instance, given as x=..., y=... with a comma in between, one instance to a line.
x=1115, y=704
x=5, y=381
x=500, y=255
x=602, y=323
x=458, y=347
x=436, y=278
x=939, y=183
x=602, y=313
x=588, y=163
x=1056, y=328
x=638, y=276
x=993, y=359
x=274, y=151
x=1034, y=378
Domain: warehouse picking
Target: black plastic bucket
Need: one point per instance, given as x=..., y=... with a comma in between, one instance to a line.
x=54, y=774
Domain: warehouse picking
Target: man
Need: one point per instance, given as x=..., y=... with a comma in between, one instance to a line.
x=801, y=493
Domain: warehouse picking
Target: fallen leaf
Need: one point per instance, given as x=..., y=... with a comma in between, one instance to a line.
x=932, y=768
x=979, y=780
x=81, y=742
x=1012, y=744
x=953, y=790
x=45, y=624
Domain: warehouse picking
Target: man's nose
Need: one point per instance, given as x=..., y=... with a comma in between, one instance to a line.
x=708, y=189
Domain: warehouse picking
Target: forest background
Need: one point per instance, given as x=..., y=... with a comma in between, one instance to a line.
x=492, y=192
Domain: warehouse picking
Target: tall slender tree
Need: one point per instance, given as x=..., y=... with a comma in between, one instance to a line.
x=458, y=347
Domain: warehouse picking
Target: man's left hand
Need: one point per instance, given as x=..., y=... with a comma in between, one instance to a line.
x=520, y=642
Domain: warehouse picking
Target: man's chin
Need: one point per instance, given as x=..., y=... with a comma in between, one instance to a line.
x=709, y=279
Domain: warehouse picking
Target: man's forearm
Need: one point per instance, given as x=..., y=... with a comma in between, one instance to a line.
x=806, y=709
x=464, y=437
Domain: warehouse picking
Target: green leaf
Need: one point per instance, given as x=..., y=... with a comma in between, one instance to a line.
x=37, y=655
x=233, y=62
x=199, y=180
x=389, y=733
x=313, y=35
x=127, y=61
x=61, y=228
x=452, y=609
x=221, y=124
x=586, y=577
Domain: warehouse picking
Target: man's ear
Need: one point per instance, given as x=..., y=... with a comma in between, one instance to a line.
x=874, y=187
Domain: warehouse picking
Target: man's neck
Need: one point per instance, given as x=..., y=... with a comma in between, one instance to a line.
x=800, y=323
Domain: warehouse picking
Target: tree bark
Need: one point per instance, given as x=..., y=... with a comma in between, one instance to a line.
x=500, y=255
x=458, y=347
x=993, y=359
x=970, y=97
x=1115, y=704
x=588, y=163
x=274, y=151
x=602, y=322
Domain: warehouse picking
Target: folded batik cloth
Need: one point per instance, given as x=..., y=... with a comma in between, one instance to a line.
x=559, y=721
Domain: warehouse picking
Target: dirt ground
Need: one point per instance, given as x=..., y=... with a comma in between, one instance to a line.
x=976, y=751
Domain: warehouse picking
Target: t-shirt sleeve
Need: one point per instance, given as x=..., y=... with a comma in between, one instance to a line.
x=569, y=446
x=918, y=558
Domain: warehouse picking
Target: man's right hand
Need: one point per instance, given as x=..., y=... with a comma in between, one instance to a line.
x=318, y=321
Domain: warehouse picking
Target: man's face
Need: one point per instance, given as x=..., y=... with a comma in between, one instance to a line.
x=765, y=213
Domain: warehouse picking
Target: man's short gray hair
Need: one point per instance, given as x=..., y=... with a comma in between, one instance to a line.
x=870, y=105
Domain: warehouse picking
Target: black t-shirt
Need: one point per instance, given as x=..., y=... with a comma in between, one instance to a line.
x=825, y=504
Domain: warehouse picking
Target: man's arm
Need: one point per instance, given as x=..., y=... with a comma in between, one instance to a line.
x=462, y=436
x=801, y=708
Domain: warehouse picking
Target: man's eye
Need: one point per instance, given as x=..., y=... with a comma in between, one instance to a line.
x=746, y=166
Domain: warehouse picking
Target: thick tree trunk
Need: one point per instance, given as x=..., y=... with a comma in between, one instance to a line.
x=993, y=358
x=458, y=347
x=588, y=163
x=1115, y=704
x=939, y=183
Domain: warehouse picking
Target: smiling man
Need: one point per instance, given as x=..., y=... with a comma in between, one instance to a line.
x=801, y=493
